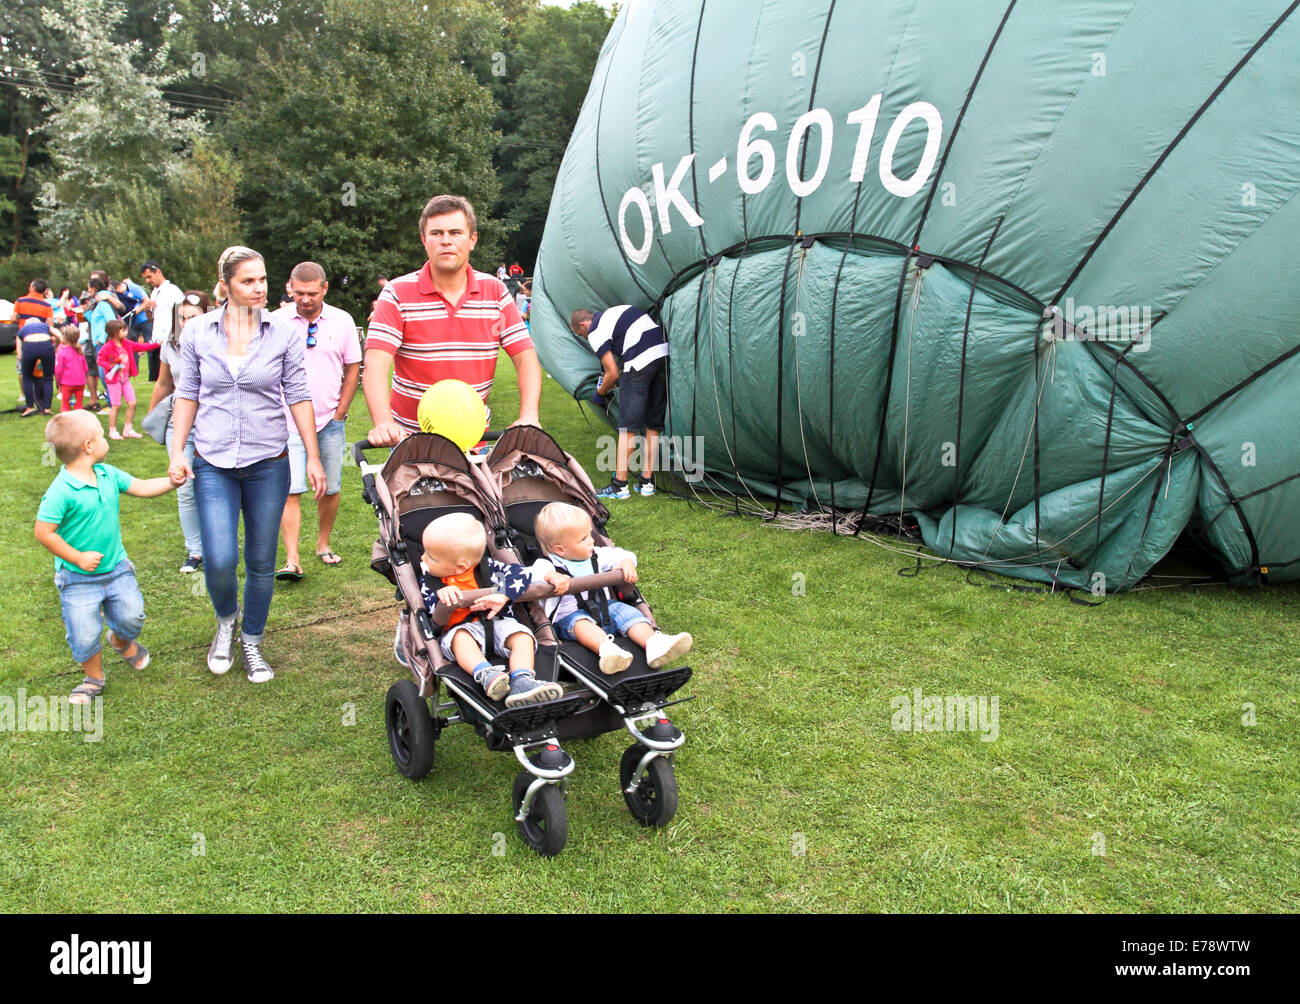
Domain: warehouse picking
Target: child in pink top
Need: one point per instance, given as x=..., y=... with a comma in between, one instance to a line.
x=70, y=368
x=117, y=360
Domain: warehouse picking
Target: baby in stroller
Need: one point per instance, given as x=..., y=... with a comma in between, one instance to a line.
x=454, y=562
x=564, y=534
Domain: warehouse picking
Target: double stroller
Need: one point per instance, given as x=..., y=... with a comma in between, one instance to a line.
x=428, y=476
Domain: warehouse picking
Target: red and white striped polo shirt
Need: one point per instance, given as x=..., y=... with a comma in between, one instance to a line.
x=432, y=339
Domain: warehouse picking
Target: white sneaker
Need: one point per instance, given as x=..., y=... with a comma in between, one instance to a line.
x=613, y=658
x=221, y=653
x=662, y=648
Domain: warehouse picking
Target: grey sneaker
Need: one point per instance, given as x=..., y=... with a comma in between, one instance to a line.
x=221, y=653
x=495, y=682
x=527, y=689
x=256, y=667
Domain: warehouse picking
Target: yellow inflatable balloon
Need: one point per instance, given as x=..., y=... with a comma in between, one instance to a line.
x=452, y=408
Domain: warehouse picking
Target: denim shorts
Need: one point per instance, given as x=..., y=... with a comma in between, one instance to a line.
x=330, y=442
x=90, y=600
x=502, y=629
x=624, y=615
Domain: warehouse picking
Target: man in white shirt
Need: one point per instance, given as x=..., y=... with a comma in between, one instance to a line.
x=161, y=305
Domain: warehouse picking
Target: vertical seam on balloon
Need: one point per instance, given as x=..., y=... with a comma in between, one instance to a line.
x=812, y=97
x=961, y=384
x=780, y=375
x=695, y=372
x=952, y=136
x=695, y=185
x=600, y=185
x=1105, y=456
x=731, y=365
x=1132, y=196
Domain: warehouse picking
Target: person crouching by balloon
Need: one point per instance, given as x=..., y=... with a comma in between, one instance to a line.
x=633, y=353
x=241, y=367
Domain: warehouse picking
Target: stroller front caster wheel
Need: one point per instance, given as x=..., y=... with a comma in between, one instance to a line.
x=410, y=730
x=546, y=827
x=654, y=803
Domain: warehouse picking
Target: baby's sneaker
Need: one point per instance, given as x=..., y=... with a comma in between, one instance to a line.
x=613, y=658
x=527, y=689
x=662, y=649
x=495, y=682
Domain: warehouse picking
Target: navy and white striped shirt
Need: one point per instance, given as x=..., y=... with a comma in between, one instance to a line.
x=631, y=334
x=240, y=420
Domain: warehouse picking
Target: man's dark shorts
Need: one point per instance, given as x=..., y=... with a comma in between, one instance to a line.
x=643, y=398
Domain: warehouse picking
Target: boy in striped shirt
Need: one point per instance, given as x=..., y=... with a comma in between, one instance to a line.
x=633, y=351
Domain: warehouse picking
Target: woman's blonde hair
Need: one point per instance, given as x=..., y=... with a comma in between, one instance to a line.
x=232, y=258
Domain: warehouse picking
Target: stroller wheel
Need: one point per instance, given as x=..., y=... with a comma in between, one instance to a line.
x=546, y=827
x=410, y=730
x=654, y=803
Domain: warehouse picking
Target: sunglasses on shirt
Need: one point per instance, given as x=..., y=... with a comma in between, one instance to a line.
x=311, y=334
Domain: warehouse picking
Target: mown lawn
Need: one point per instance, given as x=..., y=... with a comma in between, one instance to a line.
x=1121, y=728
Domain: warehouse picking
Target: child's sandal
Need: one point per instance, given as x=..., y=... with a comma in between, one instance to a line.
x=87, y=690
x=137, y=661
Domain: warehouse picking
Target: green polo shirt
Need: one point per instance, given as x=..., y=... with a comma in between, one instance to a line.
x=87, y=515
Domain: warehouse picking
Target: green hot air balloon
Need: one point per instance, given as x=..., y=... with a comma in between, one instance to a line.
x=1025, y=271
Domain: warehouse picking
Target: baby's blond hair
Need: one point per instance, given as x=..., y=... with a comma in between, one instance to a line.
x=68, y=431
x=458, y=536
x=556, y=518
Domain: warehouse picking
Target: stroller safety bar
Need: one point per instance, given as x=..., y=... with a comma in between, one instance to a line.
x=537, y=591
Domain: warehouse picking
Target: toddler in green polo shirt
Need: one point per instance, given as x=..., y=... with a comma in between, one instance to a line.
x=78, y=522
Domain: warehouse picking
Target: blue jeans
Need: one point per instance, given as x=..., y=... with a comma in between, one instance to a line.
x=624, y=615
x=258, y=491
x=82, y=598
x=185, y=501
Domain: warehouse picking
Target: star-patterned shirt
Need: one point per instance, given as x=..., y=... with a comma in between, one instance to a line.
x=509, y=579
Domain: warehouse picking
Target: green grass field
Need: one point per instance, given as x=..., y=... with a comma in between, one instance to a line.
x=1121, y=730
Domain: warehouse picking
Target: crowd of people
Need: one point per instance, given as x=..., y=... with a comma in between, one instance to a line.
x=108, y=324
x=250, y=404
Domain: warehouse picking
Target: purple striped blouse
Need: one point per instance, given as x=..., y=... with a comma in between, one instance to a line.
x=240, y=419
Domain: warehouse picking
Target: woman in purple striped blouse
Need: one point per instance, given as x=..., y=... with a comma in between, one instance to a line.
x=241, y=367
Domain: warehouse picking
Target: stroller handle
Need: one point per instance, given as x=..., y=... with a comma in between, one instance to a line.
x=360, y=446
x=537, y=591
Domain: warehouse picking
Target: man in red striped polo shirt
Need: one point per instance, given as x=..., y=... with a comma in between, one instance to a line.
x=444, y=322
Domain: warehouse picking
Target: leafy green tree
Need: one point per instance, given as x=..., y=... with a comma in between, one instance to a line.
x=183, y=224
x=114, y=128
x=348, y=127
x=25, y=43
x=553, y=54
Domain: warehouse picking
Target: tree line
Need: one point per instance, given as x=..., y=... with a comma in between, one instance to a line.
x=170, y=129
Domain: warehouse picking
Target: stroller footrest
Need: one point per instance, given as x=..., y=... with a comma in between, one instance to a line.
x=636, y=685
